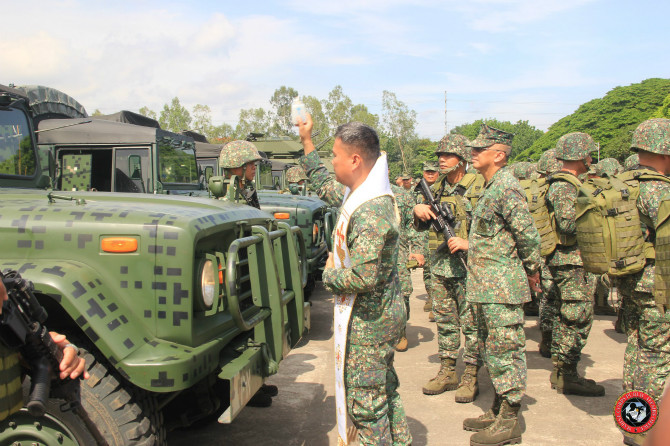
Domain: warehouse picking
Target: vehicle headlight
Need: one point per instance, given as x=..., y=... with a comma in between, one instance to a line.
x=209, y=283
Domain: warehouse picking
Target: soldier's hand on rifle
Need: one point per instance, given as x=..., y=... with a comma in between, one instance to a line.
x=423, y=212
x=534, y=282
x=72, y=365
x=457, y=244
x=420, y=259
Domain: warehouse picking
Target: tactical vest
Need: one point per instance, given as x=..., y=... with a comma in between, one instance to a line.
x=609, y=226
x=476, y=187
x=11, y=394
x=563, y=239
x=457, y=203
x=662, y=270
x=536, y=191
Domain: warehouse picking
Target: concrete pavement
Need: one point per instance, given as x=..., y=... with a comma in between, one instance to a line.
x=304, y=411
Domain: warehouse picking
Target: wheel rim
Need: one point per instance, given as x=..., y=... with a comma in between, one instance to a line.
x=23, y=429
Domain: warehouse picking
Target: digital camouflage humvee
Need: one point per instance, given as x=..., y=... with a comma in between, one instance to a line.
x=308, y=212
x=183, y=305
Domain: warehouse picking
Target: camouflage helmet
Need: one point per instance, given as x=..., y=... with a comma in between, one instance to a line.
x=237, y=154
x=454, y=144
x=548, y=164
x=653, y=135
x=609, y=167
x=523, y=170
x=575, y=146
x=632, y=162
x=295, y=174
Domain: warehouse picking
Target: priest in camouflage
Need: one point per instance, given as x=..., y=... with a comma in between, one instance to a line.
x=378, y=316
x=503, y=260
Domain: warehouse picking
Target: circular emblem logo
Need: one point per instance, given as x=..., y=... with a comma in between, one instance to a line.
x=635, y=412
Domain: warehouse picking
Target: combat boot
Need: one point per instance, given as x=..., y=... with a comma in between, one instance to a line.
x=484, y=420
x=446, y=378
x=545, y=344
x=568, y=382
x=401, y=346
x=428, y=306
x=604, y=310
x=504, y=430
x=431, y=317
x=468, y=389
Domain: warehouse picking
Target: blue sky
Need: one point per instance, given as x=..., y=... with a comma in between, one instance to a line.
x=535, y=60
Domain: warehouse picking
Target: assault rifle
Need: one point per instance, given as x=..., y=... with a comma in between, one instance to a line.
x=444, y=221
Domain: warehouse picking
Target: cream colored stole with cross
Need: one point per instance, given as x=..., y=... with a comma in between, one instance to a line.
x=374, y=186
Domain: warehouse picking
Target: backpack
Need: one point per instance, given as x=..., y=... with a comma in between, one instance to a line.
x=536, y=191
x=609, y=229
x=662, y=270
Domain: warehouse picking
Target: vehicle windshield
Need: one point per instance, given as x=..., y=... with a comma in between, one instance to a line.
x=177, y=163
x=17, y=156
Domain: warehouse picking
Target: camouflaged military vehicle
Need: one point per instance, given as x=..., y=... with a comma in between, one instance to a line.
x=309, y=213
x=183, y=305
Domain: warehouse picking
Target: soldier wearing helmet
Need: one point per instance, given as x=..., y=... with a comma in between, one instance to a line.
x=451, y=311
x=608, y=167
x=647, y=361
x=632, y=162
x=239, y=158
x=575, y=310
x=296, y=177
x=548, y=164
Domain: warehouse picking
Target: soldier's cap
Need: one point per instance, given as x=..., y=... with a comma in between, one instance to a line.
x=489, y=136
x=430, y=166
x=406, y=176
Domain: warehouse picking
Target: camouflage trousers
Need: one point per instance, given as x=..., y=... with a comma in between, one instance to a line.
x=406, y=287
x=601, y=292
x=454, y=314
x=549, y=300
x=373, y=402
x=646, y=363
x=427, y=279
x=575, y=316
x=502, y=343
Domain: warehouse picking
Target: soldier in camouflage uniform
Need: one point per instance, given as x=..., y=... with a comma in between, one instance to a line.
x=647, y=356
x=575, y=318
x=295, y=177
x=406, y=181
x=549, y=299
x=11, y=395
x=406, y=245
x=453, y=313
x=378, y=314
x=632, y=162
x=240, y=158
x=430, y=174
x=503, y=261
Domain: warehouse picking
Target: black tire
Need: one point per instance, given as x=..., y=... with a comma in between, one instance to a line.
x=123, y=415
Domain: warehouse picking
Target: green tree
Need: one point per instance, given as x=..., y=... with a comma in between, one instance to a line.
x=146, y=111
x=97, y=112
x=253, y=120
x=337, y=108
x=399, y=122
x=202, y=119
x=175, y=117
x=315, y=108
x=360, y=113
x=664, y=110
x=281, y=114
x=610, y=119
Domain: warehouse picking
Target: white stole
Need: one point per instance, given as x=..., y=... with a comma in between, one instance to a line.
x=374, y=186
